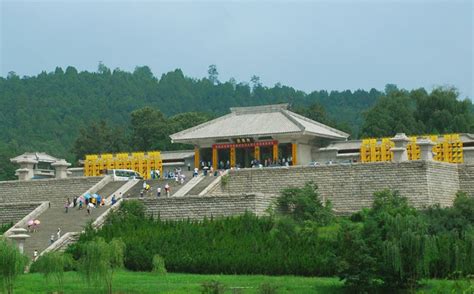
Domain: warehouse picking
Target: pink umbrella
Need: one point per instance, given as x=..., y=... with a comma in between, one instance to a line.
x=37, y=222
x=30, y=222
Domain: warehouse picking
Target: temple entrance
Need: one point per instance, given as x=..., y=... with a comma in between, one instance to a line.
x=243, y=157
x=223, y=157
x=205, y=157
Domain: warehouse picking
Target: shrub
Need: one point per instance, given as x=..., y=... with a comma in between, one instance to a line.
x=12, y=264
x=99, y=261
x=303, y=204
x=52, y=265
x=267, y=288
x=212, y=287
x=159, y=265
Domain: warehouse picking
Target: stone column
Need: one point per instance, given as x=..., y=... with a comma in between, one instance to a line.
x=197, y=160
x=23, y=174
x=61, y=168
x=19, y=235
x=26, y=172
x=400, y=150
x=426, y=149
x=214, y=157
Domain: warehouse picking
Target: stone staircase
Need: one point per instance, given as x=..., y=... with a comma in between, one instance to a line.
x=201, y=185
x=54, y=218
x=188, y=186
x=154, y=184
x=73, y=221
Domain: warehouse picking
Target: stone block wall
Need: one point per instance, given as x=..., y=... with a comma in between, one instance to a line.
x=14, y=212
x=198, y=207
x=53, y=190
x=466, y=178
x=443, y=182
x=350, y=187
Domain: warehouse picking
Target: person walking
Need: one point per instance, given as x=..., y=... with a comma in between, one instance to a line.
x=35, y=255
x=51, y=239
x=66, y=205
x=58, y=234
x=158, y=192
x=167, y=190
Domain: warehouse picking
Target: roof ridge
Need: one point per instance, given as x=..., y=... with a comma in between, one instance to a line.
x=318, y=123
x=200, y=126
x=285, y=112
x=259, y=108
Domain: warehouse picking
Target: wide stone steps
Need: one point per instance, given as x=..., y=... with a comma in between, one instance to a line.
x=134, y=192
x=73, y=221
x=54, y=218
x=110, y=188
x=199, y=187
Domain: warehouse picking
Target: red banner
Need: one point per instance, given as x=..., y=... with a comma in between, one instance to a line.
x=244, y=145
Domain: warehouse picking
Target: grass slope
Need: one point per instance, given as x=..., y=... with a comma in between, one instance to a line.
x=141, y=282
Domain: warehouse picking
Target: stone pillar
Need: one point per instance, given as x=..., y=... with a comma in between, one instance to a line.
x=26, y=172
x=19, y=235
x=275, y=152
x=23, y=174
x=257, y=152
x=61, y=168
x=232, y=156
x=214, y=158
x=426, y=149
x=294, y=152
x=196, y=157
x=400, y=150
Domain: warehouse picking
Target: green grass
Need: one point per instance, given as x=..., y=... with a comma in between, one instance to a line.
x=141, y=282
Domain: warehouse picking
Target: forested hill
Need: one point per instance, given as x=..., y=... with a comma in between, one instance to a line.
x=45, y=112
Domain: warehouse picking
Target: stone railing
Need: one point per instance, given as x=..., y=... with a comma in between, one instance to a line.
x=31, y=216
x=63, y=242
x=101, y=184
x=122, y=190
x=99, y=222
x=214, y=183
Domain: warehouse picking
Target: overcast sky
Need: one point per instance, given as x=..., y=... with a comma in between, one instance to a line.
x=309, y=45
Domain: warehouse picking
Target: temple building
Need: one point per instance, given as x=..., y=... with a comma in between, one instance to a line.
x=270, y=134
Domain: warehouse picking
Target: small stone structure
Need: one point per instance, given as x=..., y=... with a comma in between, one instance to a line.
x=39, y=165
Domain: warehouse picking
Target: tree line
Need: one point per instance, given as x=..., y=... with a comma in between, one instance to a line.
x=54, y=112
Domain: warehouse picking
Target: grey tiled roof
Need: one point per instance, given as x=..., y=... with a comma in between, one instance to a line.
x=258, y=121
x=38, y=156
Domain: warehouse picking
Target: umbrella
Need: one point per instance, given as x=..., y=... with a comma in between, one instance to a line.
x=87, y=196
x=37, y=222
x=81, y=198
x=95, y=195
x=30, y=222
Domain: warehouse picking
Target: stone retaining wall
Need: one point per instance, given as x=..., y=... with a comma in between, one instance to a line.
x=198, y=207
x=13, y=212
x=350, y=187
x=53, y=190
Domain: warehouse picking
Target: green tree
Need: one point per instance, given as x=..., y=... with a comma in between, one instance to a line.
x=304, y=204
x=213, y=74
x=98, y=137
x=393, y=113
x=52, y=265
x=12, y=264
x=100, y=260
x=441, y=112
x=149, y=129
